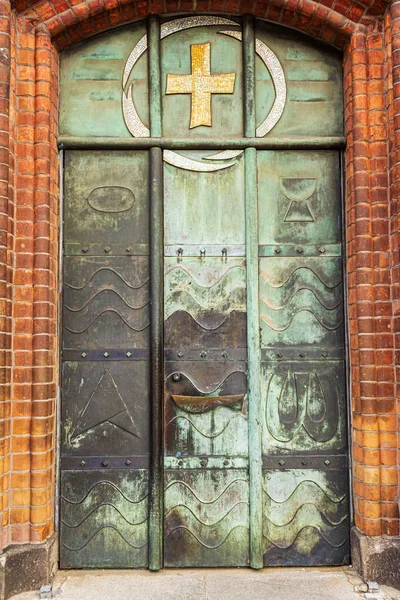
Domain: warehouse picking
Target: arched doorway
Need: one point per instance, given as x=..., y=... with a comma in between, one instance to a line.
x=204, y=383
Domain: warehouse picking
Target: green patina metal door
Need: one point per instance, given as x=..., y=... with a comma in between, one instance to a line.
x=204, y=379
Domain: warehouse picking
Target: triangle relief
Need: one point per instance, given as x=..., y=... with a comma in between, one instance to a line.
x=105, y=405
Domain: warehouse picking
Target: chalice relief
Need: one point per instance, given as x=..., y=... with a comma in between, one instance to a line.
x=298, y=191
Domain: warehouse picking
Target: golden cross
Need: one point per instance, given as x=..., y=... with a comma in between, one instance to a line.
x=201, y=84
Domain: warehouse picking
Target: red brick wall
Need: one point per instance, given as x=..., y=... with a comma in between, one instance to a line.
x=369, y=34
x=28, y=452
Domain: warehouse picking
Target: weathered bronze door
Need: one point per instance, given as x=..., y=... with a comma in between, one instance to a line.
x=204, y=381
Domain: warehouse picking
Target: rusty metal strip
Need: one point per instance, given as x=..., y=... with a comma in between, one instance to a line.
x=157, y=344
x=205, y=462
x=106, y=354
x=106, y=249
x=267, y=143
x=253, y=337
x=231, y=354
x=295, y=353
x=320, y=462
x=300, y=250
x=204, y=251
x=69, y=463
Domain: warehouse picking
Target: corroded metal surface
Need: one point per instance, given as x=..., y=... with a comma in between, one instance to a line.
x=247, y=410
x=305, y=492
x=306, y=520
x=104, y=519
x=105, y=402
x=206, y=518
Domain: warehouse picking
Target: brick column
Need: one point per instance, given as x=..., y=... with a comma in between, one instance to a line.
x=6, y=262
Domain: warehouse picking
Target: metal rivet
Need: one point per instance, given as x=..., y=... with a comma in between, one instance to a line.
x=107, y=249
x=224, y=354
x=304, y=462
x=203, y=354
x=281, y=462
x=105, y=463
x=106, y=354
x=327, y=462
x=226, y=462
x=322, y=250
x=176, y=377
x=299, y=250
x=224, y=252
x=84, y=355
x=85, y=249
x=279, y=354
x=129, y=249
x=129, y=354
x=128, y=462
x=180, y=251
x=82, y=463
x=180, y=463
x=203, y=462
x=278, y=250
x=202, y=251
x=179, y=354
x=324, y=354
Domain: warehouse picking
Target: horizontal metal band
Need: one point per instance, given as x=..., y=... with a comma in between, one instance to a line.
x=204, y=251
x=301, y=354
x=105, y=462
x=206, y=462
x=323, y=462
x=106, y=354
x=106, y=249
x=278, y=250
x=231, y=354
x=263, y=143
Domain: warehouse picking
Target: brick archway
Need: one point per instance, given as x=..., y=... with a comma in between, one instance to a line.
x=33, y=34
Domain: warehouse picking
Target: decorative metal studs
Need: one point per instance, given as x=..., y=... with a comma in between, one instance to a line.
x=106, y=354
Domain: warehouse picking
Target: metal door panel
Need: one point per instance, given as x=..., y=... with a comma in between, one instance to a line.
x=90, y=77
x=105, y=408
x=206, y=409
x=106, y=200
x=206, y=518
x=106, y=302
x=299, y=199
x=199, y=206
x=306, y=519
x=314, y=83
x=305, y=407
x=104, y=518
x=106, y=368
x=301, y=304
x=303, y=383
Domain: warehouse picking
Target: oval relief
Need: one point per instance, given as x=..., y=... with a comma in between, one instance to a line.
x=111, y=199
